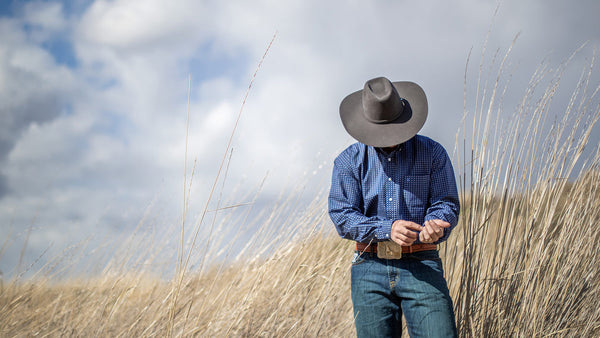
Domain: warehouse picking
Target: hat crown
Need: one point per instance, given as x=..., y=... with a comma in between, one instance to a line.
x=381, y=101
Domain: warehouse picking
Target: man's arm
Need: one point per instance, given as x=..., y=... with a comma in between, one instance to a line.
x=346, y=207
x=442, y=215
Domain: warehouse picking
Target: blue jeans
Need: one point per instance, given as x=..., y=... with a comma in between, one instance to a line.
x=383, y=290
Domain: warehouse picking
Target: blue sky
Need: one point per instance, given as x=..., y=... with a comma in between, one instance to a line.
x=93, y=97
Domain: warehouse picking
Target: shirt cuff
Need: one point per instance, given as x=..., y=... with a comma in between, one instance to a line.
x=384, y=231
x=444, y=217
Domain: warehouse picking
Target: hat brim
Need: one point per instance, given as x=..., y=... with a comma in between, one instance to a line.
x=391, y=133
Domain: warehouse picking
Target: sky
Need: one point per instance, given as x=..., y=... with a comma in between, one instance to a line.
x=94, y=99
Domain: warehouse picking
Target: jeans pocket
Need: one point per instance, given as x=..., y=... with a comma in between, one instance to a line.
x=358, y=258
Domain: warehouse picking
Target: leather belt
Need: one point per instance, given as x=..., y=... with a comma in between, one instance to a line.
x=364, y=247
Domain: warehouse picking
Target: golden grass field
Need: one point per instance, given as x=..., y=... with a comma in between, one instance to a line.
x=523, y=261
x=523, y=278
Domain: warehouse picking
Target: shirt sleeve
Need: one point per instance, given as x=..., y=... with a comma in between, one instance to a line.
x=443, y=194
x=346, y=207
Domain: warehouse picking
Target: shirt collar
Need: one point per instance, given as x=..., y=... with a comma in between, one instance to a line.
x=396, y=149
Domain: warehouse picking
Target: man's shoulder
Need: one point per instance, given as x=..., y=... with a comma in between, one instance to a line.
x=352, y=154
x=424, y=143
x=353, y=149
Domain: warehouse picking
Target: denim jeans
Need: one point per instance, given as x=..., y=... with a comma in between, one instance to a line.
x=383, y=290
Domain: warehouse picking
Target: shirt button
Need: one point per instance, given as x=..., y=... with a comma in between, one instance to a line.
x=389, y=178
x=390, y=199
x=389, y=159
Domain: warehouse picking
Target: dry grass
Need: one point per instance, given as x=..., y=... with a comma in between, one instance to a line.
x=540, y=282
x=527, y=238
x=522, y=262
x=301, y=290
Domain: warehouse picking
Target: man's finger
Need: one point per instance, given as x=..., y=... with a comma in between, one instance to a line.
x=403, y=240
x=412, y=226
x=432, y=231
x=409, y=233
x=440, y=223
x=407, y=240
x=428, y=233
x=401, y=225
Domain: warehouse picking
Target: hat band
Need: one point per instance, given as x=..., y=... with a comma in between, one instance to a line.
x=396, y=116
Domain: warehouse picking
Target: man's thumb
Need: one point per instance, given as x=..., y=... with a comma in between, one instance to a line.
x=440, y=223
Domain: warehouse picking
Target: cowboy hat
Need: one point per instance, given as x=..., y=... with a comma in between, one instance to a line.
x=384, y=113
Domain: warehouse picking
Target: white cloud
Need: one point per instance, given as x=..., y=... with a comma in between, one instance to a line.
x=129, y=24
x=46, y=18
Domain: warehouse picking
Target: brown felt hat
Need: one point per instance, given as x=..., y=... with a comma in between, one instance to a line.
x=384, y=113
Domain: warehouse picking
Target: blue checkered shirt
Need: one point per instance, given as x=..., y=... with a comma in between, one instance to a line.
x=370, y=189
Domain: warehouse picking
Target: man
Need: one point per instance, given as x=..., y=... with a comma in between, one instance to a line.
x=394, y=193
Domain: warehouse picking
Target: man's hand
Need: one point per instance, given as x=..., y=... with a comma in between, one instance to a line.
x=405, y=233
x=433, y=230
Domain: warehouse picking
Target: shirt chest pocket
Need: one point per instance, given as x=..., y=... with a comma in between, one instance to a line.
x=416, y=195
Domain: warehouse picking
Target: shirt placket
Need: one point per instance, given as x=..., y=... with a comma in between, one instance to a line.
x=391, y=188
